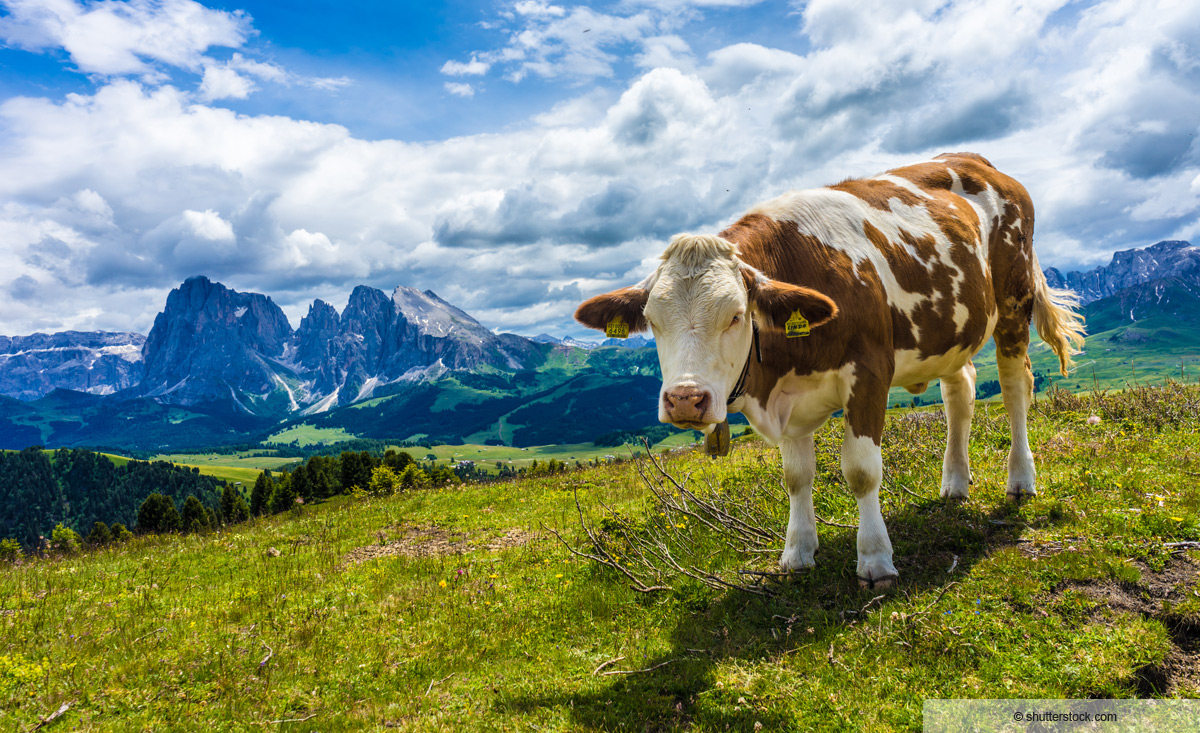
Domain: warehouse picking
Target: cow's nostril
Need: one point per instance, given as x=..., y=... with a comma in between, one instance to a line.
x=702, y=402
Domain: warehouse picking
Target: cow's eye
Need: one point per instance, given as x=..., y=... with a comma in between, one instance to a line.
x=736, y=320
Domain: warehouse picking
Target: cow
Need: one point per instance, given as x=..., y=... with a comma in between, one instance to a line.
x=822, y=300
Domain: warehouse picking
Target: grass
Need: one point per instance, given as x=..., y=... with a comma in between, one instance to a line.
x=306, y=434
x=995, y=600
x=487, y=455
x=244, y=466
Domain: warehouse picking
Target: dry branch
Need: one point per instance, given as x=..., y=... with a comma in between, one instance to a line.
x=295, y=720
x=605, y=664
x=639, y=671
x=52, y=716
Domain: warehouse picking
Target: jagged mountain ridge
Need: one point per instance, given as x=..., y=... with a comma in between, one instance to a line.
x=1131, y=267
x=95, y=362
x=379, y=340
x=214, y=344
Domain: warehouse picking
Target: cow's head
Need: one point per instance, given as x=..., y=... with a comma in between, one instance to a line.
x=700, y=305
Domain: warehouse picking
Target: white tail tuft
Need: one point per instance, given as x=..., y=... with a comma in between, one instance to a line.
x=1056, y=319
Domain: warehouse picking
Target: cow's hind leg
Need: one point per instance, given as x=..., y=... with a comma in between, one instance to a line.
x=799, y=470
x=958, y=399
x=1016, y=386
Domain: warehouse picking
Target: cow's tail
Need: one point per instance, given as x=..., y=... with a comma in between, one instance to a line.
x=1055, y=317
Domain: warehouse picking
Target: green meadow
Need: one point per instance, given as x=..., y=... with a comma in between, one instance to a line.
x=458, y=608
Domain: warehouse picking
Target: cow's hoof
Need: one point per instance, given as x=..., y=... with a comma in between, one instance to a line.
x=955, y=492
x=793, y=561
x=878, y=583
x=877, y=571
x=1018, y=491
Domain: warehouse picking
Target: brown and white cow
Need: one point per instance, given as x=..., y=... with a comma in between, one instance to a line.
x=901, y=278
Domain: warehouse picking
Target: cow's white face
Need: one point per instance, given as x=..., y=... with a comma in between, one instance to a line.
x=700, y=315
x=700, y=304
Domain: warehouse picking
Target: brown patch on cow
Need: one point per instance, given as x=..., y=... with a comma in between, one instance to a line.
x=1154, y=596
x=626, y=303
x=904, y=336
x=434, y=541
x=878, y=194
x=969, y=156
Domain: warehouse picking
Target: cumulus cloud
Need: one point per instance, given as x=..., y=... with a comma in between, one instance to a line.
x=581, y=43
x=117, y=38
x=147, y=39
x=125, y=191
x=224, y=83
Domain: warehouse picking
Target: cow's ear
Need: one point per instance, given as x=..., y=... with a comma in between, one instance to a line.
x=776, y=301
x=626, y=304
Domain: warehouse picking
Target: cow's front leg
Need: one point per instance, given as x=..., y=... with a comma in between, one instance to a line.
x=862, y=465
x=799, y=469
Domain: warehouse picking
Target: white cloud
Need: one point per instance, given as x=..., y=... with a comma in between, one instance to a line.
x=116, y=38
x=474, y=67
x=459, y=90
x=208, y=225
x=222, y=82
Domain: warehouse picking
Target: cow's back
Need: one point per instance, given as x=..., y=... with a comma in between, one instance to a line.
x=915, y=259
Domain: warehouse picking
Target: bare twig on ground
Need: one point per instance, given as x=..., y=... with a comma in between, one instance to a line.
x=43, y=722
x=605, y=664
x=436, y=682
x=295, y=720
x=639, y=671
x=159, y=630
x=270, y=653
x=831, y=523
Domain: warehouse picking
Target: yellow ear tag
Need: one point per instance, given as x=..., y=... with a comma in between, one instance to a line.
x=617, y=328
x=796, y=326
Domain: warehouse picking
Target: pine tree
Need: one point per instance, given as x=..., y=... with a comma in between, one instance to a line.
x=261, y=495
x=233, y=506
x=100, y=535
x=283, y=497
x=227, y=495
x=356, y=470
x=194, y=516
x=397, y=461
x=119, y=532
x=301, y=482
x=158, y=514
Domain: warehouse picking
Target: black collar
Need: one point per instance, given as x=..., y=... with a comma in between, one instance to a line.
x=739, y=389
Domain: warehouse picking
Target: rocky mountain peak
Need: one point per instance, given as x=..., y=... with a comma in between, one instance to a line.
x=1130, y=267
x=433, y=316
x=210, y=342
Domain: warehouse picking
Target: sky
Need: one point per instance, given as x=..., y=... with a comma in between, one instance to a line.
x=518, y=157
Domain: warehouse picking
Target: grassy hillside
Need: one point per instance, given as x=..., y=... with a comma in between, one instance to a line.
x=456, y=608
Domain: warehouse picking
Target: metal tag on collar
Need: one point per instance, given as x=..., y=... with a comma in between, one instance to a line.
x=716, y=443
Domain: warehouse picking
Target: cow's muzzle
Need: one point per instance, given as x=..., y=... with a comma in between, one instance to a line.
x=687, y=406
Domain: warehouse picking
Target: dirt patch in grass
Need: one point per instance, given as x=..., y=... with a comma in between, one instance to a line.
x=434, y=541
x=1156, y=596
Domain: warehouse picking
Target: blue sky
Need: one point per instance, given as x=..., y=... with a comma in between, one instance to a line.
x=517, y=156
